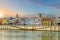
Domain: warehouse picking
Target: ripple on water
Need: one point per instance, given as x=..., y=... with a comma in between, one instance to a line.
x=28, y=35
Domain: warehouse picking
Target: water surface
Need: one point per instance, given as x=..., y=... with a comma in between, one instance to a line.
x=29, y=35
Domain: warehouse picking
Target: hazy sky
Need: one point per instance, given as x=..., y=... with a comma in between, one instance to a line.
x=24, y=7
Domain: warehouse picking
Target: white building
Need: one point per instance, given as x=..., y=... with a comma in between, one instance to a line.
x=58, y=20
x=35, y=20
x=10, y=20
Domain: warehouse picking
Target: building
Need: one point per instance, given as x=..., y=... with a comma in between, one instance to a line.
x=17, y=19
x=47, y=21
x=53, y=21
x=0, y=21
x=22, y=21
x=10, y=21
x=58, y=21
x=4, y=21
x=35, y=20
x=29, y=21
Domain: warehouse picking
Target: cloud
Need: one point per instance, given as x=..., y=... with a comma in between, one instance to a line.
x=46, y=3
x=10, y=12
x=56, y=6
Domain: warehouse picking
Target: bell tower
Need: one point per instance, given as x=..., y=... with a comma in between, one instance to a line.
x=17, y=15
x=17, y=19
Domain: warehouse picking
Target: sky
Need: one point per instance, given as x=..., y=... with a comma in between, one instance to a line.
x=28, y=7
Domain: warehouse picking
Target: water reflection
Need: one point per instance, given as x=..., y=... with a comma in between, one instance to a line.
x=28, y=35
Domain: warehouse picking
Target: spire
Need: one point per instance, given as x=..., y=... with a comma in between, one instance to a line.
x=17, y=16
x=40, y=15
x=17, y=19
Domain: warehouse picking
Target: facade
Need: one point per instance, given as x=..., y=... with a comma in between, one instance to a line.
x=10, y=21
x=30, y=21
x=0, y=21
x=4, y=21
x=17, y=19
x=48, y=21
x=53, y=21
x=22, y=21
x=33, y=21
x=58, y=21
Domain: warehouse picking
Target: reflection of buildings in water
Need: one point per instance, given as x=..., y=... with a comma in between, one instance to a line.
x=49, y=35
x=25, y=35
x=3, y=35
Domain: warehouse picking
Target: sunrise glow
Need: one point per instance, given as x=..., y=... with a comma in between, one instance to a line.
x=1, y=15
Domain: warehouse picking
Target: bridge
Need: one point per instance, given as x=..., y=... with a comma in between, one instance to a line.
x=7, y=27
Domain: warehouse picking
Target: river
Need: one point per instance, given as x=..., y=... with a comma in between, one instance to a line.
x=29, y=35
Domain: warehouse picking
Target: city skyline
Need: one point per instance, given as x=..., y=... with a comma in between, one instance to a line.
x=25, y=7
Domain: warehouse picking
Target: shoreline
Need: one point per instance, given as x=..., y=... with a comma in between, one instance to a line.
x=28, y=28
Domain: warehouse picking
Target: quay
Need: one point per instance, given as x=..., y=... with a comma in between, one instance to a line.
x=8, y=27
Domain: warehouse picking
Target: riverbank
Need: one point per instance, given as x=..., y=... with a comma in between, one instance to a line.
x=31, y=28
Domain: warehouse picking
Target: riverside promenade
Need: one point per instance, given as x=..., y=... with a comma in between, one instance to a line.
x=8, y=27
